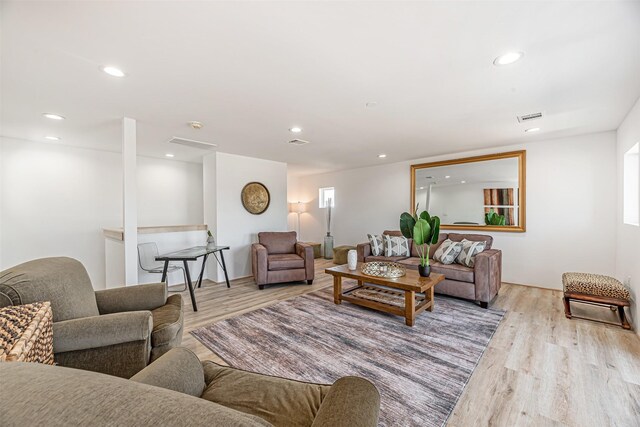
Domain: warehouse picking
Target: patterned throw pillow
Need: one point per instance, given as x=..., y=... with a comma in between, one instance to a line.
x=377, y=245
x=448, y=251
x=469, y=251
x=396, y=246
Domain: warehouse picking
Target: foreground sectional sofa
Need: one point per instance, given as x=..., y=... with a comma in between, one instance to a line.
x=179, y=390
x=480, y=283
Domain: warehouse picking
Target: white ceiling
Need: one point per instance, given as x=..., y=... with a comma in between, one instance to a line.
x=251, y=70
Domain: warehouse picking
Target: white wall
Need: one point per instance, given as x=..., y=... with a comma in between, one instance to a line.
x=56, y=199
x=569, y=198
x=628, y=236
x=169, y=192
x=235, y=226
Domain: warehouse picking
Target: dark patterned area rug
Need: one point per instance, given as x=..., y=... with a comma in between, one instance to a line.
x=420, y=371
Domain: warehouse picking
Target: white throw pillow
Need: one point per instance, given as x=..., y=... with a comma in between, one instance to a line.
x=448, y=251
x=396, y=246
x=469, y=251
x=377, y=244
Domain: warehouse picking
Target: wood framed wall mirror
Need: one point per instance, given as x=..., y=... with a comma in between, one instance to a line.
x=474, y=193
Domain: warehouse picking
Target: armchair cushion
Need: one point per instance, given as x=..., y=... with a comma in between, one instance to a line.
x=351, y=401
x=167, y=322
x=62, y=281
x=279, y=401
x=278, y=242
x=179, y=370
x=101, y=331
x=131, y=298
x=285, y=262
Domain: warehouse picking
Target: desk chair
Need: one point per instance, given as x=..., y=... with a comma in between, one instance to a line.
x=147, y=253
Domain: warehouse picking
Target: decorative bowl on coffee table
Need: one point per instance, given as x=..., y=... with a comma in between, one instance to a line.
x=389, y=270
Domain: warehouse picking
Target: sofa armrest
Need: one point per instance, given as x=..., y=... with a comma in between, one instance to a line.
x=132, y=298
x=364, y=250
x=101, y=331
x=178, y=369
x=350, y=402
x=488, y=274
x=306, y=252
x=259, y=263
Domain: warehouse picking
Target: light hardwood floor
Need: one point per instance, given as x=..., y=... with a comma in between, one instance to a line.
x=540, y=368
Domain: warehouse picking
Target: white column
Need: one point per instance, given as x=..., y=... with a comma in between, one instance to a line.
x=129, y=198
x=209, y=182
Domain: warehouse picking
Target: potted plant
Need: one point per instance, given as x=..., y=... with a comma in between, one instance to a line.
x=424, y=229
x=492, y=218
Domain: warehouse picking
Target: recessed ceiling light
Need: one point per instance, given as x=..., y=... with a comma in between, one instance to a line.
x=296, y=129
x=463, y=182
x=422, y=188
x=196, y=124
x=532, y=130
x=447, y=176
x=113, y=71
x=52, y=138
x=508, y=58
x=53, y=116
x=169, y=155
x=382, y=156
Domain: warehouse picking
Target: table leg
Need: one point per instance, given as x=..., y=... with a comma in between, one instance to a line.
x=204, y=265
x=337, y=289
x=224, y=268
x=430, y=292
x=164, y=271
x=409, y=307
x=193, y=296
x=360, y=283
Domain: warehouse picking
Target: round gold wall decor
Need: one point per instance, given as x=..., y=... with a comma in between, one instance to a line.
x=255, y=198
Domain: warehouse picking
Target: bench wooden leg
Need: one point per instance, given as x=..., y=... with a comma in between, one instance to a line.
x=623, y=319
x=567, y=308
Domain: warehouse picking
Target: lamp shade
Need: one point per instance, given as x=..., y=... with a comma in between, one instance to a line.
x=298, y=207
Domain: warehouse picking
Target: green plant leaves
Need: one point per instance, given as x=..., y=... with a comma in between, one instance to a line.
x=435, y=229
x=407, y=224
x=422, y=232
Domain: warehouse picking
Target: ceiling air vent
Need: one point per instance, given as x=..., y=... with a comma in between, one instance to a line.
x=529, y=117
x=193, y=143
x=298, y=142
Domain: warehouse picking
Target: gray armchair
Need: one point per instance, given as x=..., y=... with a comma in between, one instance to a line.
x=114, y=331
x=278, y=258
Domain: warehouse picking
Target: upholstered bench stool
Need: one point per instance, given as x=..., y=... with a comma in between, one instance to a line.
x=340, y=254
x=595, y=289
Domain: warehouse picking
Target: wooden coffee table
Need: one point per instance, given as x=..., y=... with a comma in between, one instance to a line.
x=367, y=294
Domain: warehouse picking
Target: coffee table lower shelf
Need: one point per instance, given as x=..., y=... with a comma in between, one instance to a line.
x=397, y=301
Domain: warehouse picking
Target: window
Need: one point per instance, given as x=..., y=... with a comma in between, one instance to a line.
x=631, y=201
x=325, y=195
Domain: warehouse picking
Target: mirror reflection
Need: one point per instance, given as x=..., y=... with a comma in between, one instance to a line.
x=472, y=194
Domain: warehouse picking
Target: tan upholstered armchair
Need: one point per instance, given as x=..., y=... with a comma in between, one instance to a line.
x=115, y=331
x=280, y=258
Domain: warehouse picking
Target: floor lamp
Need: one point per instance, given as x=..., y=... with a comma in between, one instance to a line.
x=298, y=208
